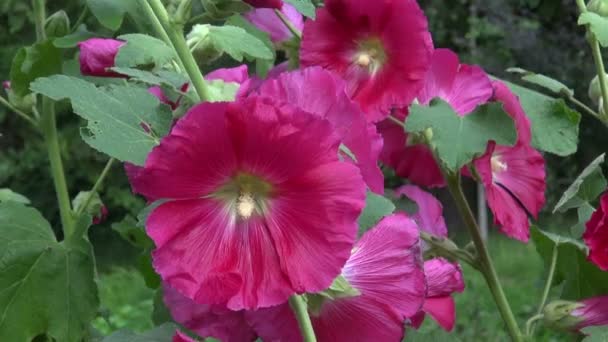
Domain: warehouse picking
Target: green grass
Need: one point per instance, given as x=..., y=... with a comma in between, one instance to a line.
x=128, y=303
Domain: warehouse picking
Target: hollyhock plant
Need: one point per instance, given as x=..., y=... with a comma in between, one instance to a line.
x=319, y=92
x=443, y=278
x=265, y=3
x=266, y=20
x=381, y=48
x=97, y=55
x=596, y=235
x=384, y=268
x=257, y=204
x=575, y=316
x=429, y=216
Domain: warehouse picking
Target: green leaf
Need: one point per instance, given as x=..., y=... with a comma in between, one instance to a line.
x=46, y=287
x=161, y=313
x=340, y=288
x=458, y=139
x=554, y=124
x=110, y=13
x=39, y=60
x=585, y=188
x=595, y=334
x=232, y=40
x=306, y=7
x=584, y=213
x=162, y=77
x=142, y=49
x=115, y=115
x=163, y=333
x=220, y=91
x=581, y=278
x=7, y=195
x=376, y=207
x=597, y=24
x=262, y=66
x=72, y=39
x=130, y=231
x=546, y=82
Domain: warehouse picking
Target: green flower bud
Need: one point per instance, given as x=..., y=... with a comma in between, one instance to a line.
x=57, y=25
x=557, y=315
x=599, y=7
x=202, y=46
x=23, y=103
x=595, y=91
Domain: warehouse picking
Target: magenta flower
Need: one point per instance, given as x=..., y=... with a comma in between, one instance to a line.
x=596, y=235
x=385, y=267
x=266, y=20
x=381, y=48
x=429, y=216
x=265, y=3
x=591, y=312
x=97, y=55
x=443, y=278
x=181, y=337
x=258, y=208
x=514, y=181
x=319, y=92
x=101, y=216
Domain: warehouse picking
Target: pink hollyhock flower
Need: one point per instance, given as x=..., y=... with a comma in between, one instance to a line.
x=265, y=3
x=514, y=181
x=258, y=208
x=266, y=20
x=592, y=312
x=97, y=56
x=596, y=235
x=443, y=278
x=319, y=92
x=385, y=268
x=429, y=216
x=381, y=48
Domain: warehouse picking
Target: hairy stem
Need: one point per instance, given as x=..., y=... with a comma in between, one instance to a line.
x=299, y=307
x=49, y=130
x=485, y=262
x=176, y=36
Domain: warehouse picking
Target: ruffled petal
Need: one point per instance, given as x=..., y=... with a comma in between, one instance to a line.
x=443, y=277
x=266, y=20
x=429, y=216
x=442, y=310
x=440, y=77
x=511, y=104
x=594, y=312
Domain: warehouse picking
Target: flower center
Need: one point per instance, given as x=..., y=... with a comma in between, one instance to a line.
x=245, y=195
x=370, y=55
x=498, y=165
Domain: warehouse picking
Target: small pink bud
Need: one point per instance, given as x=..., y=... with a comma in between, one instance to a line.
x=97, y=55
x=265, y=3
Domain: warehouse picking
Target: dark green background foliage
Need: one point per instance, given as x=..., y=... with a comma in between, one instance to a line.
x=537, y=35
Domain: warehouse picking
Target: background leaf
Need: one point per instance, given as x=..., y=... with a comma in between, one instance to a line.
x=163, y=333
x=306, y=7
x=546, y=82
x=597, y=24
x=238, y=43
x=39, y=60
x=142, y=49
x=115, y=115
x=9, y=195
x=596, y=334
x=554, y=124
x=458, y=139
x=585, y=188
x=376, y=207
x=110, y=13
x=46, y=287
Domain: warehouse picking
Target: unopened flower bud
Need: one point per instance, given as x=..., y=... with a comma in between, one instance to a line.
x=57, y=25
x=558, y=315
x=595, y=91
x=599, y=7
x=202, y=46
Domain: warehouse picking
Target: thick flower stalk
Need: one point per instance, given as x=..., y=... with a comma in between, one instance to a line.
x=256, y=204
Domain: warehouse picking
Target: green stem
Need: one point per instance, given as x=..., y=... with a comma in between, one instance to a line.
x=448, y=249
x=24, y=116
x=485, y=261
x=95, y=187
x=49, y=130
x=584, y=107
x=397, y=121
x=288, y=24
x=299, y=307
x=81, y=18
x=599, y=61
x=548, y=285
x=176, y=36
x=530, y=323
x=158, y=27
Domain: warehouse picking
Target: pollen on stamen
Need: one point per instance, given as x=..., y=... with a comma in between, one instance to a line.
x=498, y=165
x=364, y=60
x=245, y=205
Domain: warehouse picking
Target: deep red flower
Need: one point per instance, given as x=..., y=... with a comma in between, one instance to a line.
x=97, y=55
x=381, y=48
x=596, y=235
x=265, y=3
x=258, y=206
x=266, y=20
x=514, y=181
x=443, y=278
x=319, y=92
